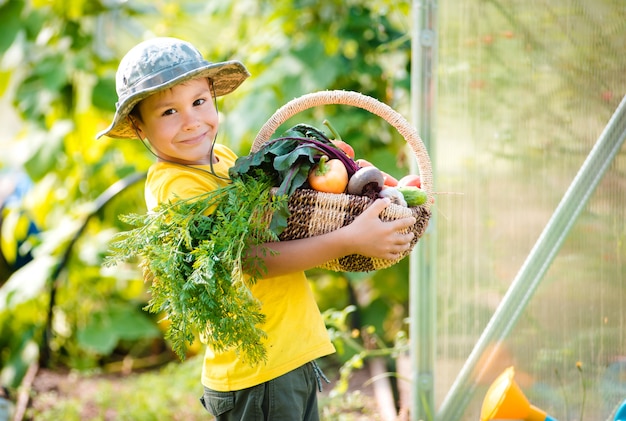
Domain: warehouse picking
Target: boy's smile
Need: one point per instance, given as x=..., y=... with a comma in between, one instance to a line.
x=181, y=122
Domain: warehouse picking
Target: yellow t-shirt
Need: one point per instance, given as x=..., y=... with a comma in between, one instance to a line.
x=295, y=329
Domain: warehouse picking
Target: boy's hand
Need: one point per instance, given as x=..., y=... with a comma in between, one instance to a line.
x=372, y=237
x=367, y=235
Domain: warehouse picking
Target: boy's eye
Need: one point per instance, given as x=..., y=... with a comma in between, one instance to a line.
x=196, y=103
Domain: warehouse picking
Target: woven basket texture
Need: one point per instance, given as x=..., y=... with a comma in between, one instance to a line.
x=313, y=213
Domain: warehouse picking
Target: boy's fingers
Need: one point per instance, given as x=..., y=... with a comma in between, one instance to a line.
x=408, y=221
x=377, y=206
x=380, y=204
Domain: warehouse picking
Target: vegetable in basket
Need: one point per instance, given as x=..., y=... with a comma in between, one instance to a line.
x=367, y=181
x=194, y=264
x=288, y=160
x=328, y=175
x=410, y=180
x=338, y=141
x=314, y=213
x=413, y=195
x=394, y=195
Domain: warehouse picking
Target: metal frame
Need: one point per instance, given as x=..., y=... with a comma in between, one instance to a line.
x=422, y=278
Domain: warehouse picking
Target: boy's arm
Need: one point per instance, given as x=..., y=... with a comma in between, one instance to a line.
x=366, y=235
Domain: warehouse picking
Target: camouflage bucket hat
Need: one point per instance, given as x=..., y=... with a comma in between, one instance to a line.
x=158, y=64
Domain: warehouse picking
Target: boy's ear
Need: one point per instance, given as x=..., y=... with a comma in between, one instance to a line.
x=133, y=122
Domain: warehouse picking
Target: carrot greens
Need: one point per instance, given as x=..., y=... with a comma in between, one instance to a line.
x=195, y=251
x=195, y=263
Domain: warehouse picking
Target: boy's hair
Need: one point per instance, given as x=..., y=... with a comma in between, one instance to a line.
x=161, y=63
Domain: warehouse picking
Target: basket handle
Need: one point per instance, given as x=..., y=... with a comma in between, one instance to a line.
x=356, y=99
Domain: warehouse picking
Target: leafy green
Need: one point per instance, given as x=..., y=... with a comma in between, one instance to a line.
x=106, y=327
x=288, y=160
x=193, y=251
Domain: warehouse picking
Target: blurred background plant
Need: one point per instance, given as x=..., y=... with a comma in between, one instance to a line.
x=59, y=307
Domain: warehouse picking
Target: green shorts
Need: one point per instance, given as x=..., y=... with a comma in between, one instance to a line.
x=290, y=397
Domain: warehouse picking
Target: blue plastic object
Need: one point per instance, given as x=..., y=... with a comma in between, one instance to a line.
x=620, y=415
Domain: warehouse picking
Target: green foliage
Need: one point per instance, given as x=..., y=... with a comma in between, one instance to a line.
x=518, y=84
x=287, y=161
x=20, y=331
x=106, y=328
x=170, y=393
x=195, y=263
x=10, y=23
x=356, y=346
x=58, y=67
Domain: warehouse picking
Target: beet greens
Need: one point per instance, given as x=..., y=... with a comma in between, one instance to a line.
x=287, y=161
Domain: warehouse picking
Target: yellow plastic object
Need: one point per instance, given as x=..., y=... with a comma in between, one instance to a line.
x=506, y=401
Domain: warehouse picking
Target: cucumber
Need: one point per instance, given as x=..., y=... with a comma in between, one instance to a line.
x=414, y=196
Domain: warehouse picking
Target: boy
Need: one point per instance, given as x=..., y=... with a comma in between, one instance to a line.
x=166, y=93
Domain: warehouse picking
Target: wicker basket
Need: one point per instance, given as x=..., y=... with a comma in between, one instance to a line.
x=314, y=213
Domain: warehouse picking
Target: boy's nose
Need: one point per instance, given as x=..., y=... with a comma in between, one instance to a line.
x=191, y=121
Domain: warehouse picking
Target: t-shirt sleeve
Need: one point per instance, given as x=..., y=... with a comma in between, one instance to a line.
x=184, y=186
x=169, y=182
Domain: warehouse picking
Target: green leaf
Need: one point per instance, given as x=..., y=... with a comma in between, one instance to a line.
x=131, y=323
x=45, y=156
x=287, y=160
x=107, y=327
x=28, y=282
x=196, y=264
x=5, y=78
x=104, y=96
x=10, y=23
x=23, y=356
x=98, y=335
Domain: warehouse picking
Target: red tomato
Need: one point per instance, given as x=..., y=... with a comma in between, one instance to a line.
x=410, y=180
x=390, y=180
x=329, y=176
x=345, y=147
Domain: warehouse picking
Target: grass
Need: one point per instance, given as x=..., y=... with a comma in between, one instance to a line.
x=169, y=393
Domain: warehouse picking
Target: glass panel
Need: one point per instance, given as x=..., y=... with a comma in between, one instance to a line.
x=525, y=90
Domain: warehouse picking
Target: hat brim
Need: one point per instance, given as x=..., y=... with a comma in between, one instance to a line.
x=226, y=77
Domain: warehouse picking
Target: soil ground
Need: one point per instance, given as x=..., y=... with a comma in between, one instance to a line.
x=52, y=387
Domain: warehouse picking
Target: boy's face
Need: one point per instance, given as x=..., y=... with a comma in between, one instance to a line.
x=180, y=122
